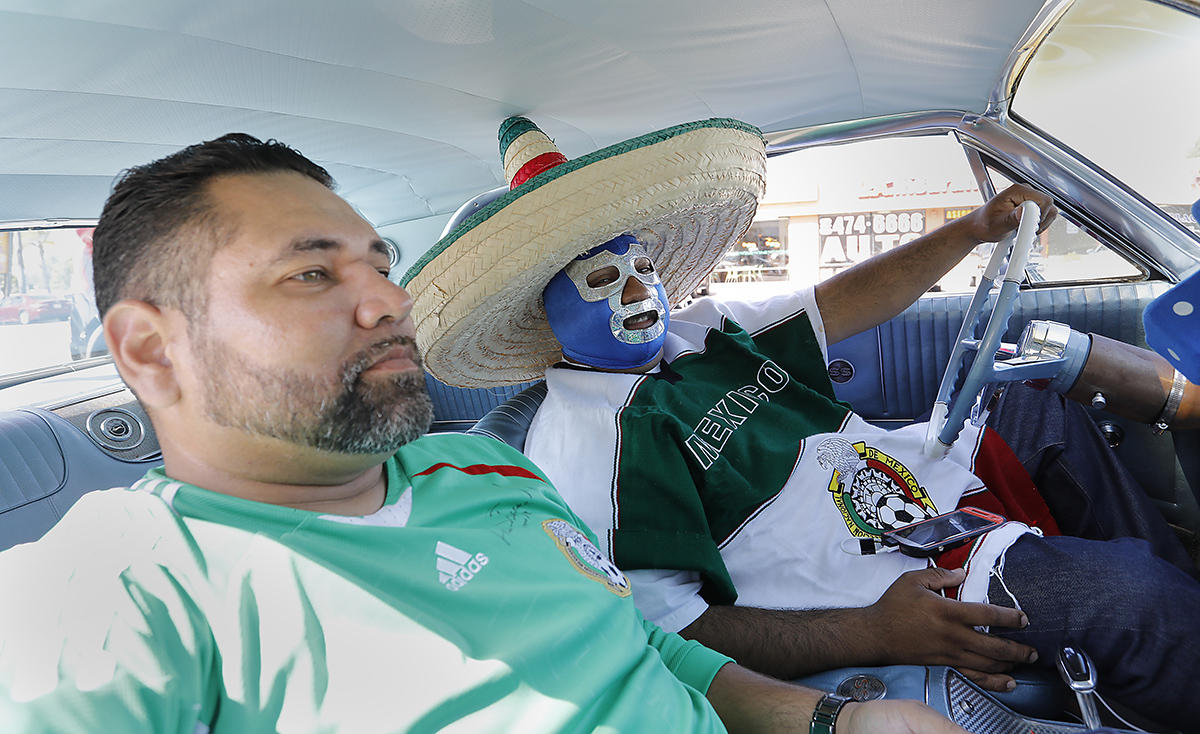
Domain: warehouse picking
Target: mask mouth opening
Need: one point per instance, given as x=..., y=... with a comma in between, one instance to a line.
x=640, y=321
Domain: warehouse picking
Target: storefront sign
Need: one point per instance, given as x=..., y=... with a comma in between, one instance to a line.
x=847, y=239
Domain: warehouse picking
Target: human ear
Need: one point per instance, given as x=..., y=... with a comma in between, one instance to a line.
x=137, y=334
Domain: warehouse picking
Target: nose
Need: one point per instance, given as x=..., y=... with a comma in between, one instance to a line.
x=634, y=291
x=381, y=300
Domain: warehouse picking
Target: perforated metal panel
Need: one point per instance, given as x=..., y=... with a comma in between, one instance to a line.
x=974, y=711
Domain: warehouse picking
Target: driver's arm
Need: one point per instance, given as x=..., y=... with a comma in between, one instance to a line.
x=874, y=291
x=1135, y=383
x=790, y=643
x=748, y=702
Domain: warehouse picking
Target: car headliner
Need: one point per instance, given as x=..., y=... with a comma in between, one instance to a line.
x=401, y=99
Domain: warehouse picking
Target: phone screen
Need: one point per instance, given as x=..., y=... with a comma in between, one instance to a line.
x=939, y=528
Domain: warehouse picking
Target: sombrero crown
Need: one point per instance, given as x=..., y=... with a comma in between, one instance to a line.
x=686, y=192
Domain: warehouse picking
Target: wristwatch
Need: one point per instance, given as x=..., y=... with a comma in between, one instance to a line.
x=1163, y=422
x=826, y=713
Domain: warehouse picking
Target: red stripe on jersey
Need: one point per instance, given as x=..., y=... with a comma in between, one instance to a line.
x=505, y=470
x=1010, y=492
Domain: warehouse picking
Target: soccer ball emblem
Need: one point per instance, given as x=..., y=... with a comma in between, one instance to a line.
x=896, y=510
x=870, y=488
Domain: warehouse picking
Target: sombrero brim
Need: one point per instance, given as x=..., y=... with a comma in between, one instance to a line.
x=687, y=192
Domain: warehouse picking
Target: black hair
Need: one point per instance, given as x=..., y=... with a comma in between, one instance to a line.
x=158, y=230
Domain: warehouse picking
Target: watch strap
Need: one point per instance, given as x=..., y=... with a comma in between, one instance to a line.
x=826, y=713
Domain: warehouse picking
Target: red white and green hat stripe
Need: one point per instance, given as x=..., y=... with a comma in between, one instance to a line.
x=526, y=151
x=686, y=192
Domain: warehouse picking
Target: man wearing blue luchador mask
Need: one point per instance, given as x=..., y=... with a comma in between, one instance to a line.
x=708, y=451
x=608, y=308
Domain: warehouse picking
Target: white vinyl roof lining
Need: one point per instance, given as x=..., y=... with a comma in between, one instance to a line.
x=401, y=99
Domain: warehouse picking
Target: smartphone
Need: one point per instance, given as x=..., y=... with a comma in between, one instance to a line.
x=942, y=532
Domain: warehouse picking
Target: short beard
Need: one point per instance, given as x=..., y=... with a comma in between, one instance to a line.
x=340, y=414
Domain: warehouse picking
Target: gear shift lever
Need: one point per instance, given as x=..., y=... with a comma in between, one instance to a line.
x=1078, y=673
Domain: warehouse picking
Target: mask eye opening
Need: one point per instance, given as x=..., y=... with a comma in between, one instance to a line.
x=603, y=276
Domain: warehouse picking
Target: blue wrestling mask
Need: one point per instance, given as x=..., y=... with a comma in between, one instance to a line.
x=590, y=322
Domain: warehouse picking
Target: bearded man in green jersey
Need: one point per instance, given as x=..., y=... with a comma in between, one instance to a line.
x=304, y=561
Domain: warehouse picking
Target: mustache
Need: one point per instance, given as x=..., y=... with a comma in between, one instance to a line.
x=357, y=364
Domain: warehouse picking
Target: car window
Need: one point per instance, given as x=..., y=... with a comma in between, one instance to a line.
x=1117, y=81
x=828, y=208
x=47, y=312
x=1066, y=253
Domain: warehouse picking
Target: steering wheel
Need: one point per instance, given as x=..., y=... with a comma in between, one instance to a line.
x=985, y=372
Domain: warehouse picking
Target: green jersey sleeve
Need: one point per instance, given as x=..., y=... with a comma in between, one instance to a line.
x=651, y=479
x=99, y=639
x=691, y=662
x=792, y=343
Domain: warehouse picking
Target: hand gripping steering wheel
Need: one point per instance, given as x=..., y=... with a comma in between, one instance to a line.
x=949, y=413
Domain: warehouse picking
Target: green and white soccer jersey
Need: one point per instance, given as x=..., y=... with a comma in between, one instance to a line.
x=734, y=473
x=474, y=600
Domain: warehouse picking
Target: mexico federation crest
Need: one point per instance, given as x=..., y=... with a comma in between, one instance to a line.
x=586, y=557
x=873, y=491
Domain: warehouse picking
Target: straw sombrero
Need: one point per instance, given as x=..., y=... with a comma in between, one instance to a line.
x=686, y=192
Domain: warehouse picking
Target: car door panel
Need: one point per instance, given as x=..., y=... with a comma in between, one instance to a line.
x=909, y=353
x=898, y=365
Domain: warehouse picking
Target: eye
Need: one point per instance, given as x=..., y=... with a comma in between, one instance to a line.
x=644, y=266
x=602, y=277
x=316, y=275
x=385, y=272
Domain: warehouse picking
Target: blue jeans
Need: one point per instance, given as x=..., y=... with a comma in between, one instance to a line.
x=1089, y=491
x=1133, y=613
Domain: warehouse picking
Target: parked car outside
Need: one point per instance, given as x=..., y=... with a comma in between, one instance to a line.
x=26, y=308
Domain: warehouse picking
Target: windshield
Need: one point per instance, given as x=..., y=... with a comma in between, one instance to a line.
x=831, y=207
x=47, y=312
x=1117, y=81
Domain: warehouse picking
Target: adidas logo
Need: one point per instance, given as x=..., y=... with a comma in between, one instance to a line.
x=456, y=567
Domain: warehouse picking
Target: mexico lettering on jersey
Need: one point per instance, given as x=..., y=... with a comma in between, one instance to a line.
x=735, y=460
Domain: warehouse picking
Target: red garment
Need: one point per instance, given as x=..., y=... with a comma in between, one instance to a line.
x=1010, y=492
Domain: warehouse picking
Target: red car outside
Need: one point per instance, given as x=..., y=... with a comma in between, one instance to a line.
x=24, y=308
